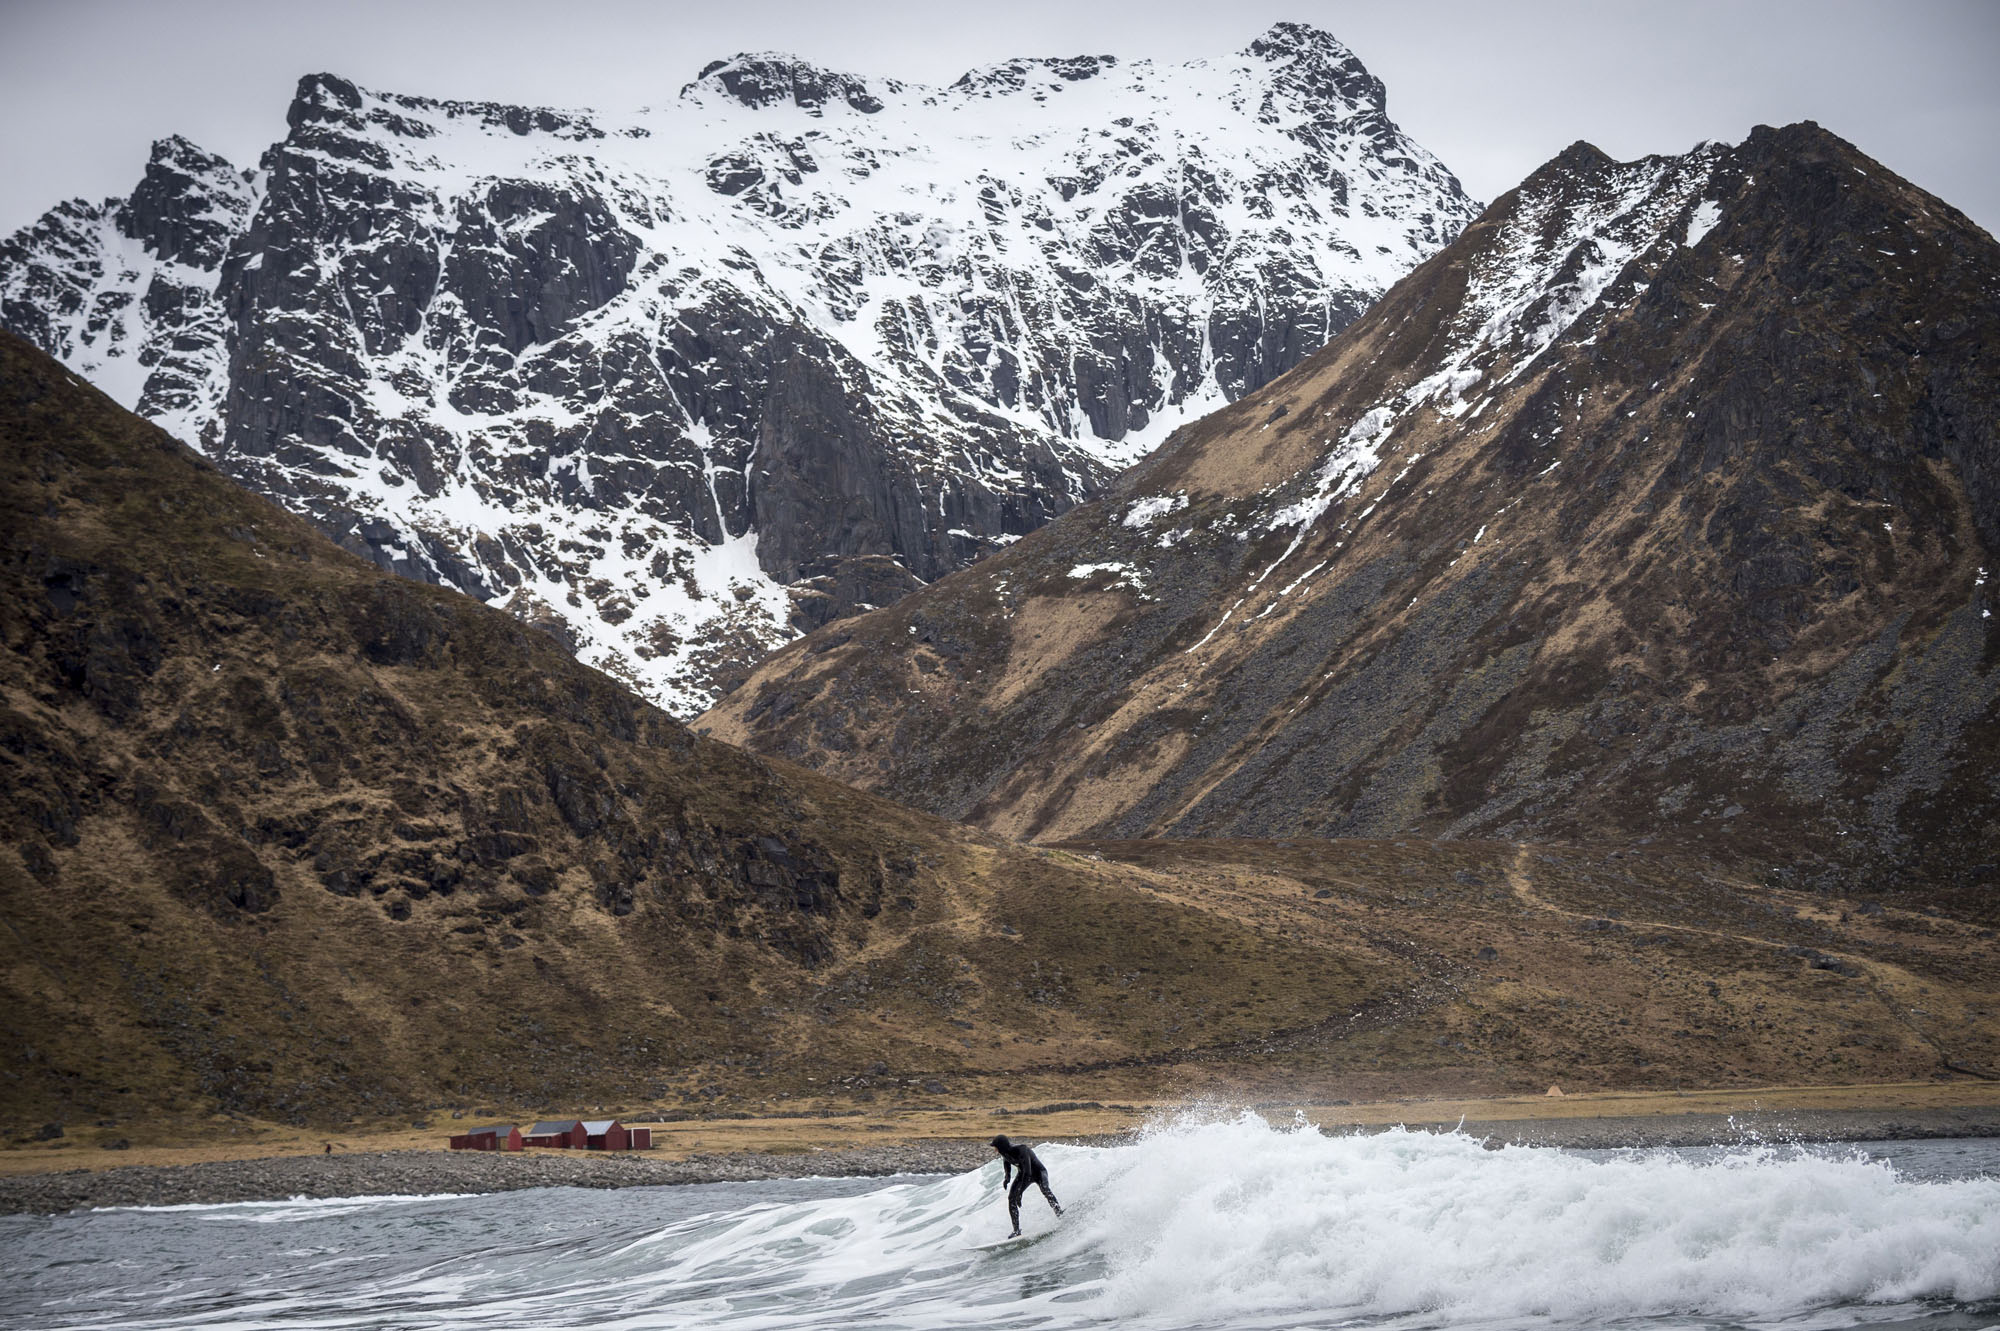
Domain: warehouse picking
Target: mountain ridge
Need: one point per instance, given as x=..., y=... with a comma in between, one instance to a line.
x=289, y=838
x=1331, y=608
x=679, y=384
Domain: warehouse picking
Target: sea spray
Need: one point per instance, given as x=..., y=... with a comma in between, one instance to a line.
x=1213, y=1219
x=1207, y=1220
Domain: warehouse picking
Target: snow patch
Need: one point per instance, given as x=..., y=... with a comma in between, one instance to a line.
x=1157, y=506
x=1706, y=215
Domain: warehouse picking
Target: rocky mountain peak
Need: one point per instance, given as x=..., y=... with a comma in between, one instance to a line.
x=1010, y=76
x=322, y=97
x=1580, y=158
x=679, y=384
x=1290, y=40
x=175, y=153
x=124, y=290
x=1316, y=61
x=188, y=206
x=1801, y=141
x=1662, y=502
x=770, y=78
x=330, y=114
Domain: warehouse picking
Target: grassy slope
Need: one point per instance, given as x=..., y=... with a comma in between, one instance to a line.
x=287, y=838
x=1710, y=569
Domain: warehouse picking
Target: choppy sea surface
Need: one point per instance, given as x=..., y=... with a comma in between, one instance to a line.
x=1223, y=1224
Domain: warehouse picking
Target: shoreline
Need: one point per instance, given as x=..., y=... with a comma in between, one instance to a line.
x=433, y=1171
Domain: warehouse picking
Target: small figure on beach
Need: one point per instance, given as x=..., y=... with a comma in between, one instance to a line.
x=1031, y=1169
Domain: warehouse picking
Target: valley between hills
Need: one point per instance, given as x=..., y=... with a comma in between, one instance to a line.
x=1578, y=673
x=482, y=877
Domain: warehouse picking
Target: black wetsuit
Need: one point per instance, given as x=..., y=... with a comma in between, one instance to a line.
x=1015, y=1158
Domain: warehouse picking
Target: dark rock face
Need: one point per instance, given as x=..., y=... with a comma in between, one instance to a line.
x=125, y=291
x=1015, y=75
x=256, y=753
x=844, y=587
x=313, y=841
x=174, y=213
x=1660, y=504
x=776, y=80
x=637, y=385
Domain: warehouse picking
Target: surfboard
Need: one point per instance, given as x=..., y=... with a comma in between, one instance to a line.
x=1010, y=1244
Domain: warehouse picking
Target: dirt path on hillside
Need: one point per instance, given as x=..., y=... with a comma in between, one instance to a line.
x=1881, y=978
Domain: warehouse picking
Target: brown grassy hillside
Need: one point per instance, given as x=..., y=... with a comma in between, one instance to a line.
x=289, y=836
x=286, y=837
x=1663, y=502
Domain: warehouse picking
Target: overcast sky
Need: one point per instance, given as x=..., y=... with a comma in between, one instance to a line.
x=1493, y=89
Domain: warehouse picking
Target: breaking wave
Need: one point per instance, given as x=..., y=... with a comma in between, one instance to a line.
x=1234, y=1223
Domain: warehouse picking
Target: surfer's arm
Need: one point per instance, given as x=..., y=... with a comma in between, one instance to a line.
x=1006, y=1171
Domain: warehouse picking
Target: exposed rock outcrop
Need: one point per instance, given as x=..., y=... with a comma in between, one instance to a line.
x=284, y=835
x=1661, y=503
x=639, y=376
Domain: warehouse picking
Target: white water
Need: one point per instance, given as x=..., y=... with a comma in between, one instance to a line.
x=1232, y=1224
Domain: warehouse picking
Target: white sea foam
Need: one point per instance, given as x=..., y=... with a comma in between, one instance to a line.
x=1237, y=1218
x=1200, y=1224
x=1212, y=1224
x=296, y=1206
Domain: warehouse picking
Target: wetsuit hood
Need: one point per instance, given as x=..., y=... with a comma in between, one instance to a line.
x=1000, y=1143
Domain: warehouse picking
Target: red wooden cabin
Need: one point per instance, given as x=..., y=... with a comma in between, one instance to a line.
x=567, y=1132
x=499, y=1137
x=605, y=1134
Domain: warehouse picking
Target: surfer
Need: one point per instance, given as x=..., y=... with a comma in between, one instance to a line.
x=1031, y=1169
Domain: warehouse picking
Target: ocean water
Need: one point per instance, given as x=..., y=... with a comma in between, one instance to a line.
x=1221, y=1224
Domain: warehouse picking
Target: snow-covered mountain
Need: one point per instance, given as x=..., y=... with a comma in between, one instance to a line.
x=682, y=383
x=1662, y=503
